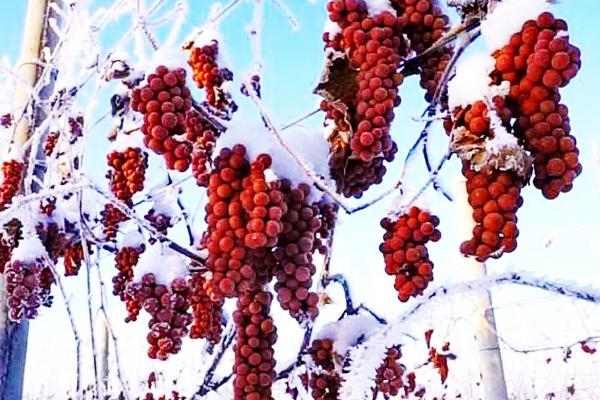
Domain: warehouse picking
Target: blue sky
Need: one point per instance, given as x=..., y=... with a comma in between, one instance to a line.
x=292, y=63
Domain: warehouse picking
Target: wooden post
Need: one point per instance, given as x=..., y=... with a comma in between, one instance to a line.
x=103, y=353
x=13, y=349
x=484, y=321
x=13, y=337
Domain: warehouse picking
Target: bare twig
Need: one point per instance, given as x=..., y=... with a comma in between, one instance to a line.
x=207, y=384
x=343, y=282
x=443, y=41
x=588, y=339
x=300, y=119
x=185, y=214
x=103, y=309
x=430, y=180
x=291, y=17
x=74, y=329
x=145, y=225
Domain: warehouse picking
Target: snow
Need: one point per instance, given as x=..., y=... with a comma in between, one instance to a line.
x=332, y=28
x=471, y=82
x=170, y=56
x=30, y=249
x=376, y=7
x=400, y=207
x=166, y=265
x=508, y=18
x=132, y=238
x=271, y=176
x=205, y=36
x=165, y=200
x=346, y=332
x=16, y=154
x=501, y=90
x=501, y=138
x=68, y=206
x=125, y=141
x=308, y=144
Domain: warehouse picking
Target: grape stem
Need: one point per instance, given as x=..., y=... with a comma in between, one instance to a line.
x=410, y=66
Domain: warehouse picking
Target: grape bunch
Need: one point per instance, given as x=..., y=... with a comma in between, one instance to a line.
x=254, y=84
x=203, y=136
x=168, y=308
x=126, y=175
x=5, y=251
x=28, y=285
x=388, y=378
x=61, y=241
x=424, y=23
x=174, y=396
x=51, y=142
x=164, y=102
x=537, y=62
x=374, y=47
x=6, y=120
x=159, y=221
x=208, y=75
x=127, y=172
x=112, y=218
x=226, y=231
x=405, y=252
x=54, y=239
x=264, y=205
x=243, y=214
x=324, y=381
x=125, y=260
x=495, y=197
x=12, y=172
x=327, y=213
x=208, y=314
x=254, y=365
x=294, y=254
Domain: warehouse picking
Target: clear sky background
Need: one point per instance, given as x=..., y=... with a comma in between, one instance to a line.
x=559, y=239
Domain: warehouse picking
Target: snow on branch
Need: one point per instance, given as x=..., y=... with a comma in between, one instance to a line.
x=366, y=357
